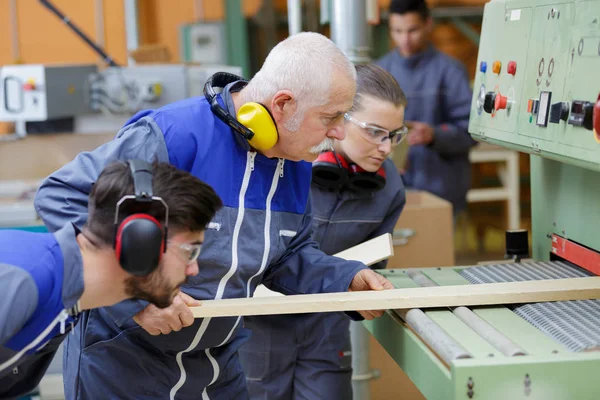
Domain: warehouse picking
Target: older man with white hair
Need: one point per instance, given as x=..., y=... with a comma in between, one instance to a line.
x=250, y=142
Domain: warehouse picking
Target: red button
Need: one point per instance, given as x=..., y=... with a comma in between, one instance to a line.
x=500, y=102
x=28, y=86
x=511, y=68
x=596, y=119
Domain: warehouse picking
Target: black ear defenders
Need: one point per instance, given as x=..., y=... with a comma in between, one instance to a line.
x=333, y=171
x=253, y=122
x=140, y=240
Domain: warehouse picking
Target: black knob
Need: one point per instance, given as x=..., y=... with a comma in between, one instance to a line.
x=517, y=244
x=559, y=111
x=582, y=113
x=488, y=103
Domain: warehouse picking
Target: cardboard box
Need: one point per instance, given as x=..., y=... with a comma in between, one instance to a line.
x=424, y=233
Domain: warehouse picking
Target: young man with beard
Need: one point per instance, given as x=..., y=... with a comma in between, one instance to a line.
x=130, y=247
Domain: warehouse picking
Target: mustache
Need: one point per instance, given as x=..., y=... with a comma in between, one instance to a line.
x=325, y=145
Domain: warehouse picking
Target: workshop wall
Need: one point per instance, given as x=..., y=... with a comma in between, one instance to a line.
x=43, y=38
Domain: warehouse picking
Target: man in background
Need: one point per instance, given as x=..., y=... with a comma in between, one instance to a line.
x=439, y=101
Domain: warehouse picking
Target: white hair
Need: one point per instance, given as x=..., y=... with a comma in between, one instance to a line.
x=304, y=64
x=325, y=145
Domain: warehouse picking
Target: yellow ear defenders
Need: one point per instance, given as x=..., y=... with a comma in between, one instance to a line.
x=254, y=122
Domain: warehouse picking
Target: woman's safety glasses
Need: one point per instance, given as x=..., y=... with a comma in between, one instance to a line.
x=376, y=134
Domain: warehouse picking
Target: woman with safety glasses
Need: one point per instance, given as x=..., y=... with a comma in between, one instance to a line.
x=357, y=194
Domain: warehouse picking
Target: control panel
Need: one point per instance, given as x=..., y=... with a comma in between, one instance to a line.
x=41, y=92
x=537, y=84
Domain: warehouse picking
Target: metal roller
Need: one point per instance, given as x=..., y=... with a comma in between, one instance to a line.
x=431, y=333
x=475, y=322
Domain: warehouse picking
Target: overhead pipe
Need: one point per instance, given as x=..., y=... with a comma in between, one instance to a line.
x=350, y=30
x=132, y=31
x=294, y=8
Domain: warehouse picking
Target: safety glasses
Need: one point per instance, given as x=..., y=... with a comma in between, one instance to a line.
x=377, y=135
x=191, y=250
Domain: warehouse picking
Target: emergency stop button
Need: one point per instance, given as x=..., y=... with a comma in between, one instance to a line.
x=511, y=68
x=500, y=102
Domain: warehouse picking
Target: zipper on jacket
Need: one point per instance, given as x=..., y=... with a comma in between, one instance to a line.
x=63, y=317
x=220, y=289
x=267, y=248
x=60, y=319
x=252, y=156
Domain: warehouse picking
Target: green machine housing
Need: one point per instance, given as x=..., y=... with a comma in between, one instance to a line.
x=536, y=90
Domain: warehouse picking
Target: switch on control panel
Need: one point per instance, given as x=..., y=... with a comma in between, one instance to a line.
x=500, y=102
x=581, y=114
x=511, y=68
x=559, y=111
x=489, y=103
x=29, y=84
x=496, y=67
x=532, y=106
x=543, y=109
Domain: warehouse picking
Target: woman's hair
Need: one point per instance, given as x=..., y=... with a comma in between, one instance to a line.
x=374, y=81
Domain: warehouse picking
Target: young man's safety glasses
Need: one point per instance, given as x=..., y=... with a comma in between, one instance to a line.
x=192, y=251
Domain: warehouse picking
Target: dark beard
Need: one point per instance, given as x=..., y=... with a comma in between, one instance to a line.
x=152, y=288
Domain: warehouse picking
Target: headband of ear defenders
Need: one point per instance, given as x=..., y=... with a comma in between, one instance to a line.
x=253, y=122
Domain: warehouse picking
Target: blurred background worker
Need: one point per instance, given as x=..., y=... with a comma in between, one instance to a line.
x=357, y=194
x=439, y=98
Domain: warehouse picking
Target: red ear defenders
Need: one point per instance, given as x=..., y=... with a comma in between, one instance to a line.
x=140, y=240
x=254, y=121
x=333, y=171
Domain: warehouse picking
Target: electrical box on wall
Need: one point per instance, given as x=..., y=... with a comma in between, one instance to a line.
x=537, y=85
x=203, y=43
x=41, y=92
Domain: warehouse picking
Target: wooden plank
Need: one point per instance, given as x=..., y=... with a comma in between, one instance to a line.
x=369, y=253
x=421, y=297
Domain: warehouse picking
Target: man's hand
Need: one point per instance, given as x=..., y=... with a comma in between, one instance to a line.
x=419, y=133
x=367, y=279
x=178, y=315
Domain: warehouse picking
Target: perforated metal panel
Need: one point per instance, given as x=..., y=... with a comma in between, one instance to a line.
x=575, y=324
x=526, y=271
